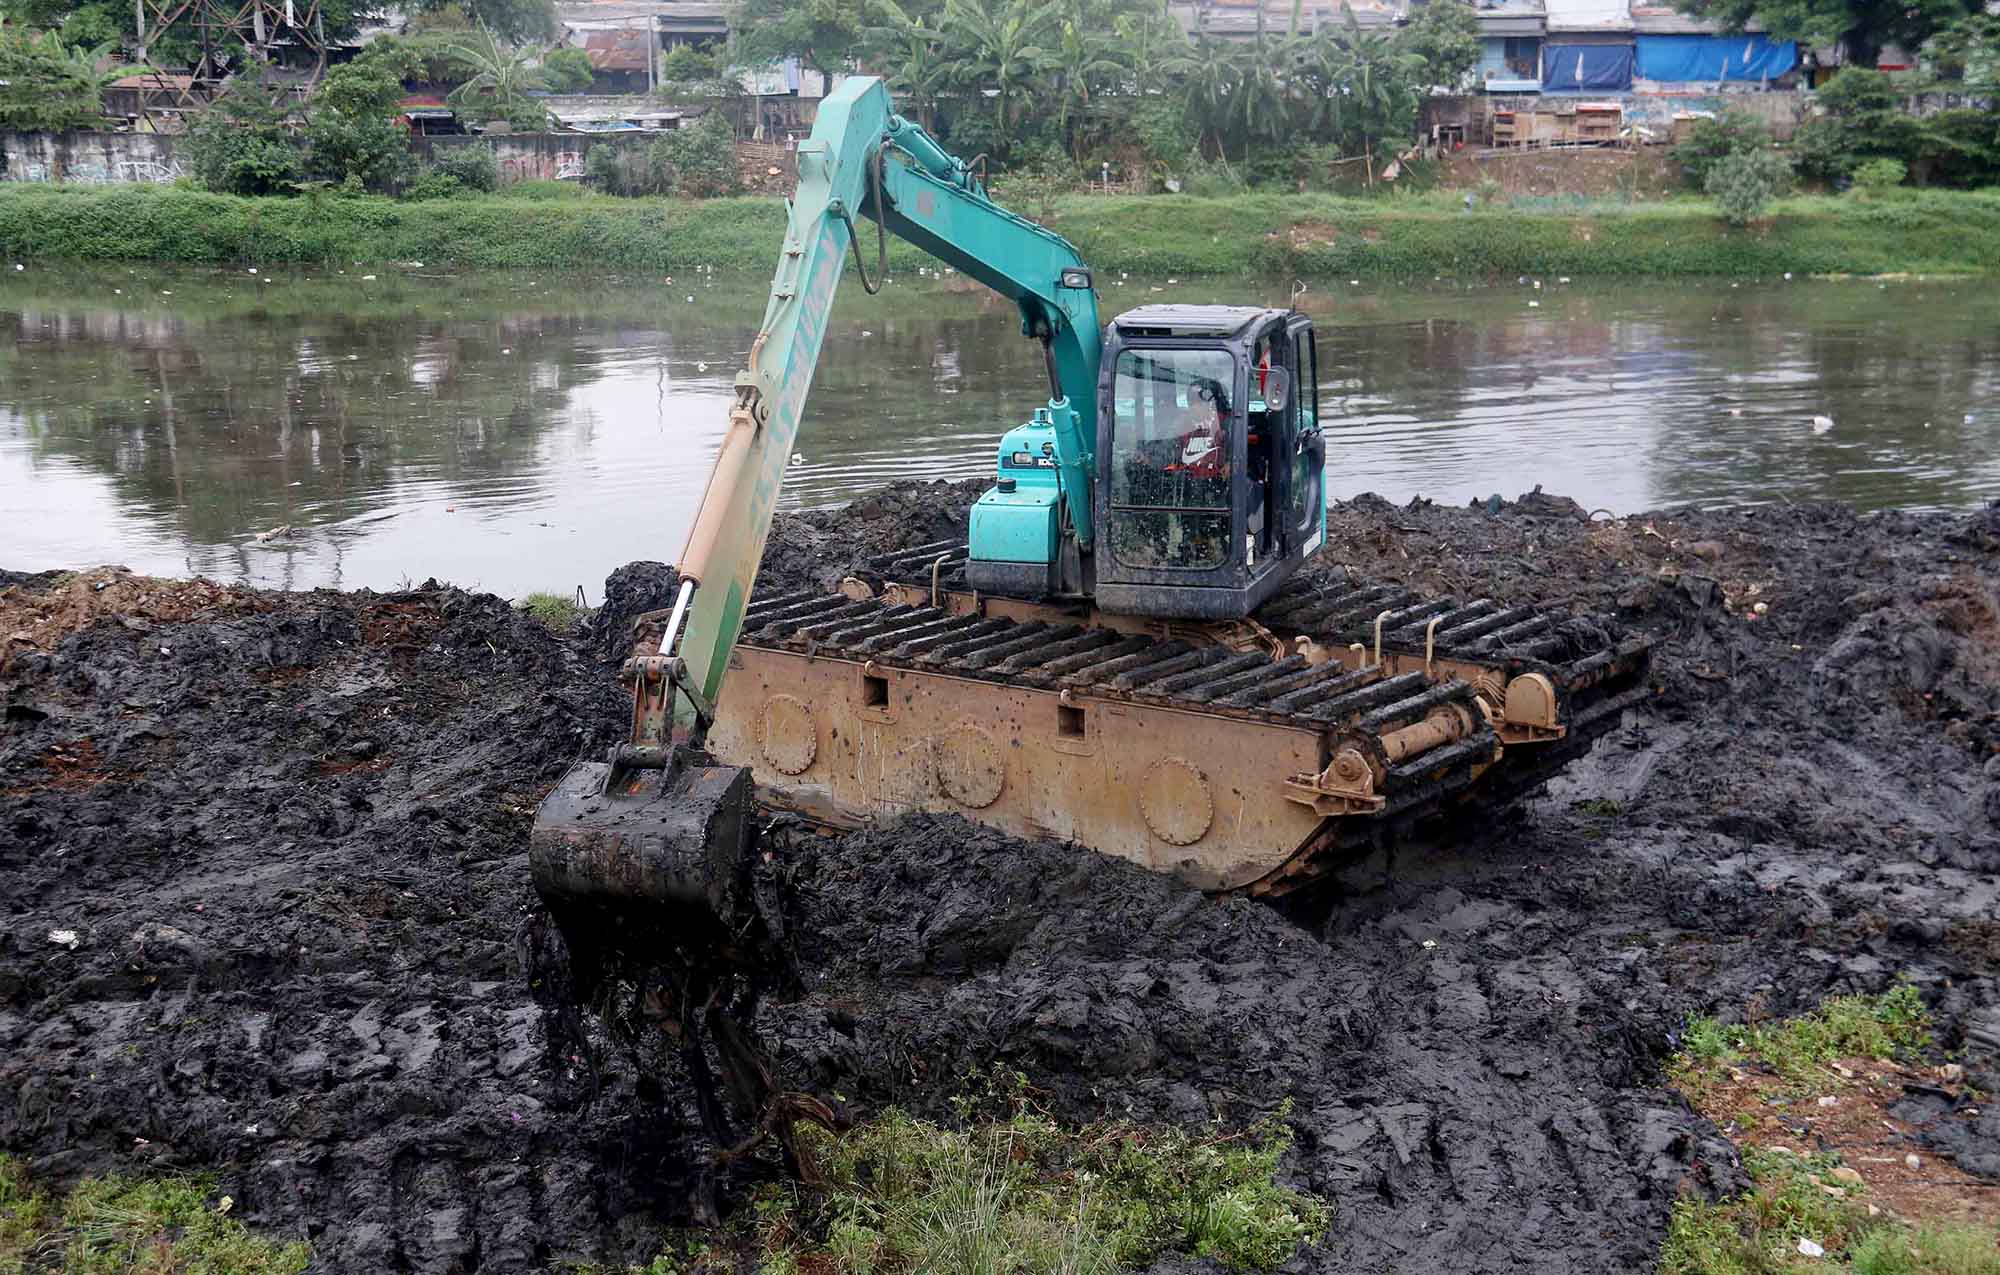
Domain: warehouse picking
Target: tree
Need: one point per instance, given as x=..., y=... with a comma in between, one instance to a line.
x=515, y=21
x=352, y=132
x=999, y=46
x=1375, y=95
x=1968, y=50
x=1084, y=56
x=499, y=85
x=1444, y=36
x=1711, y=141
x=912, y=56
x=821, y=34
x=1744, y=184
x=568, y=70
x=1865, y=25
x=243, y=145
x=48, y=86
x=1209, y=87
x=1154, y=45
x=1864, y=119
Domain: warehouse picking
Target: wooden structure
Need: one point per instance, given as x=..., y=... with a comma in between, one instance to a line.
x=1558, y=122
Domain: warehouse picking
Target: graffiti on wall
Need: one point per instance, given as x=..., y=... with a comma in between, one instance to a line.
x=94, y=170
x=541, y=166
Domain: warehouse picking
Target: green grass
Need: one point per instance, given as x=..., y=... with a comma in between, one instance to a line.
x=1311, y=237
x=1758, y=1232
x=559, y=611
x=1013, y=1191
x=130, y=1226
x=1811, y=1197
x=1893, y=1025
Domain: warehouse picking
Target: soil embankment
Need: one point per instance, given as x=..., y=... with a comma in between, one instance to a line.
x=1315, y=237
x=267, y=908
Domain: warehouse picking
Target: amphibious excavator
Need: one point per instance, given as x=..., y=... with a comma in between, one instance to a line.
x=1123, y=650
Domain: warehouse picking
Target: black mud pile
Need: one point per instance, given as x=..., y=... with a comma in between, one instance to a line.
x=287, y=838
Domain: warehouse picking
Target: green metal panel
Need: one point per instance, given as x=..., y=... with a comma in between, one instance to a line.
x=1015, y=526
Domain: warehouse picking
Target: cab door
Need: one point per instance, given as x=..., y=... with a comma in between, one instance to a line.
x=1302, y=453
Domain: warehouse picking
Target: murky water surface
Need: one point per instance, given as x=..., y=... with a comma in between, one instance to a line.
x=521, y=432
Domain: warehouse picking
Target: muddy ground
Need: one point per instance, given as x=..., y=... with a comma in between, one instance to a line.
x=266, y=908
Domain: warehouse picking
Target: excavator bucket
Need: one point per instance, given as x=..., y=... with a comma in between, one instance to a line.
x=618, y=846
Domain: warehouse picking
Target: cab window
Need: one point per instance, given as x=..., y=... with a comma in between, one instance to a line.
x=1173, y=439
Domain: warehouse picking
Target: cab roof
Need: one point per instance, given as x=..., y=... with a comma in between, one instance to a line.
x=1192, y=320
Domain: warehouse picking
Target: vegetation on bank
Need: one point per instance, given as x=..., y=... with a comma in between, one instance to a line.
x=1311, y=237
x=1806, y=1100
x=119, y=1225
x=1005, y=1189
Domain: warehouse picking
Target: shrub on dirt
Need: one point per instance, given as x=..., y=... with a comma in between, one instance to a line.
x=1875, y=176
x=1744, y=185
x=242, y=144
x=1711, y=141
x=1893, y=1025
x=698, y=160
x=473, y=167
x=559, y=611
x=115, y=1225
x=1011, y=1190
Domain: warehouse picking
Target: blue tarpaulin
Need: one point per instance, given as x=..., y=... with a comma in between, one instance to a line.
x=1586, y=68
x=1715, y=57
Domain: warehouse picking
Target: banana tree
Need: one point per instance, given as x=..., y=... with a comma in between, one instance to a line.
x=502, y=77
x=911, y=55
x=1210, y=86
x=1082, y=56
x=999, y=46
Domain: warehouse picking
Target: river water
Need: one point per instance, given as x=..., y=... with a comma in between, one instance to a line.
x=526, y=431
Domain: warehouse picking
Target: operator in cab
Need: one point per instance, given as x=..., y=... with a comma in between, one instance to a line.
x=1204, y=436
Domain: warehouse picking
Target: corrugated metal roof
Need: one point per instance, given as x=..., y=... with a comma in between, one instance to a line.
x=617, y=50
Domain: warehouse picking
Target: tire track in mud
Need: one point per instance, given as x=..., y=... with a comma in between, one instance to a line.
x=308, y=955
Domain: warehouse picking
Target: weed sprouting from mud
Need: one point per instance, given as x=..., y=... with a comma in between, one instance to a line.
x=116, y=1225
x=1893, y=1025
x=1018, y=1191
x=558, y=611
x=1812, y=1211
x=1793, y=1202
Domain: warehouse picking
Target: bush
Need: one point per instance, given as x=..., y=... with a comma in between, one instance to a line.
x=1874, y=176
x=433, y=185
x=567, y=70
x=697, y=160
x=1744, y=185
x=243, y=144
x=354, y=135
x=472, y=167
x=49, y=86
x=1160, y=127
x=1711, y=141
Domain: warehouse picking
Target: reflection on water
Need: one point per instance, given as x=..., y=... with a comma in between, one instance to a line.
x=519, y=433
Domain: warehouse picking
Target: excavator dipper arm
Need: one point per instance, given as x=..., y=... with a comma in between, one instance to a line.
x=657, y=822
x=864, y=161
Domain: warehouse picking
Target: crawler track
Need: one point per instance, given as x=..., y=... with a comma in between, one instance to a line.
x=1406, y=697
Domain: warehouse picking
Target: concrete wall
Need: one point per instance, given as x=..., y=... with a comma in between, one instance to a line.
x=100, y=158
x=95, y=158
x=537, y=156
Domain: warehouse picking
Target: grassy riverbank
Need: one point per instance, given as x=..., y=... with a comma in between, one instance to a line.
x=1308, y=236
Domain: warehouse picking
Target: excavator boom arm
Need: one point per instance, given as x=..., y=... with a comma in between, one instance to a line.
x=863, y=160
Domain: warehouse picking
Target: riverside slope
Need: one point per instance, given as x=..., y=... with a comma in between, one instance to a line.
x=287, y=833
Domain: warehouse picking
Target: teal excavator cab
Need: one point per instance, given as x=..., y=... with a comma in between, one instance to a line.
x=1207, y=491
